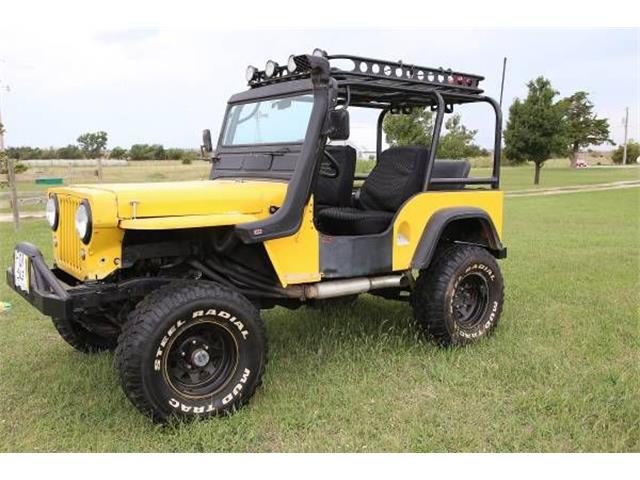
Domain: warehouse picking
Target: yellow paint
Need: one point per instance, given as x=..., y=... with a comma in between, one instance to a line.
x=189, y=221
x=103, y=254
x=414, y=215
x=200, y=204
x=201, y=197
x=296, y=259
x=161, y=206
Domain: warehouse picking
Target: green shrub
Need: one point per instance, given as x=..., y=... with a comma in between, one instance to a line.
x=70, y=152
x=173, y=153
x=633, y=152
x=143, y=151
x=18, y=167
x=118, y=153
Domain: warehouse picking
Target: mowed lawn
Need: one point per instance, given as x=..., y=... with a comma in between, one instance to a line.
x=561, y=372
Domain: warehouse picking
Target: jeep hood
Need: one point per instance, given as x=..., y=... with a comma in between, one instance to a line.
x=240, y=199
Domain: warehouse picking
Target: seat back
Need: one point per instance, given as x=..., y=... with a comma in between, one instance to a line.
x=449, y=169
x=336, y=191
x=398, y=175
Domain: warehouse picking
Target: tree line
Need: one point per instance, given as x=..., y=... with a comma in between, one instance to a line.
x=537, y=128
x=94, y=145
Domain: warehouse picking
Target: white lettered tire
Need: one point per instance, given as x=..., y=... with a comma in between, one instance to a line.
x=458, y=299
x=191, y=350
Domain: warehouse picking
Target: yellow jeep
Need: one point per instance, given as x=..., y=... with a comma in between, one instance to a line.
x=173, y=275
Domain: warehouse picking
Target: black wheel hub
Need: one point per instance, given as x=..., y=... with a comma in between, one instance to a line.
x=470, y=300
x=201, y=359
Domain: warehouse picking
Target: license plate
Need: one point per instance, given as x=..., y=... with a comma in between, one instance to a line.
x=21, y=271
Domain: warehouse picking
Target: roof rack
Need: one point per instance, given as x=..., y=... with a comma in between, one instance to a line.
x=384, y=73
x=381, y=74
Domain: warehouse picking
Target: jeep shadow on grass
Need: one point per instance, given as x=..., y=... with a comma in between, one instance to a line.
x=173, y=276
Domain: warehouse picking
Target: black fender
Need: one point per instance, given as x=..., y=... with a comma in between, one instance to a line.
x=442, y=219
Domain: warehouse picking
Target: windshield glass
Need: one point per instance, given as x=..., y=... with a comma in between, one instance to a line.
x=278, y=120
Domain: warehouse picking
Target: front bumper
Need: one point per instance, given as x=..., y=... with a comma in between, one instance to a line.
x=46, y=292
x=56, y=294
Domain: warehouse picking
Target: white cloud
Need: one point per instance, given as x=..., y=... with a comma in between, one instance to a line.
x=165, y=86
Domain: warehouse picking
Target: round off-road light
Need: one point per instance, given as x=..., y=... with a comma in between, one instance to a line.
x=318, y=52
x=291, y=64
x=52, y=211
x=251, y=73
x=83, y=222
x=270, y=68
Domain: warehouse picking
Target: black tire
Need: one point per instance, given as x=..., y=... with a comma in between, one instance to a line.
x=459, y=298
x=82, y=339
x=160, y=358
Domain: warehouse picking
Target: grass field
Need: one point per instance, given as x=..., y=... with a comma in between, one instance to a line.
x=555, y=174
x=560, y=374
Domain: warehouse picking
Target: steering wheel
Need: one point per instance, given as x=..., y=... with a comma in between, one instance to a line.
x=330, y=169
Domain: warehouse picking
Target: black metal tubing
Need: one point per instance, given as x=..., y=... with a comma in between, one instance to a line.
x=462, y=181
x=379, y=132
x=286, y=221
x=497, y=140
x=442, y=98
x=435, y=139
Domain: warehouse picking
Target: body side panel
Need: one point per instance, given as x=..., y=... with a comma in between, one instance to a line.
x=296, y=258
x=414, y=215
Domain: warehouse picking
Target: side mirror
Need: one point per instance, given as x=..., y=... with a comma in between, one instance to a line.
x=207, y=146
x=339, y=124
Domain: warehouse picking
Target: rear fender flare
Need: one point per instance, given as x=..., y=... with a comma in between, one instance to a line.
x=442, y=219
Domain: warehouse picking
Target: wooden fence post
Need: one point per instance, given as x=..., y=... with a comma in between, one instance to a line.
x=100, y=167
x=11, y=173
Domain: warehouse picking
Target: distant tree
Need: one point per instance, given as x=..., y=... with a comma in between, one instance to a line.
x=633, y=152
x=70, y=152
x=24, y=153
x=409, y=128
x=93, y=144
x=457, y=142
x=143, y=151
x=582, y=127
x=118, y=153
x=174, y=153
x=535, y=127
x=49, y=153
x=416, y=128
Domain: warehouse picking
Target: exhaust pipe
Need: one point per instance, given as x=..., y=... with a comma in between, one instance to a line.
x=339, y=288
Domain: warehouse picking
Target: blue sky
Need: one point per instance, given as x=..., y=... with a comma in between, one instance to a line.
x=165, y=86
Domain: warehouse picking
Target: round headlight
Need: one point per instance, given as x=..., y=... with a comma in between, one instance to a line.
x=291, y=64
x=270, y=68
x=51, y=211
x=83, y=222
x=318, y=52
x=251, y=73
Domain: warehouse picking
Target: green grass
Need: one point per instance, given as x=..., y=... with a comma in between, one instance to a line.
x=560, y=374
x=520, y=178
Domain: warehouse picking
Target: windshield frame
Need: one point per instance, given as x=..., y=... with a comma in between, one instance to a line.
x=293, y=93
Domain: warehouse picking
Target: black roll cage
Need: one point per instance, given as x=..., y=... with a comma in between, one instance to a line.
x=371, y=83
